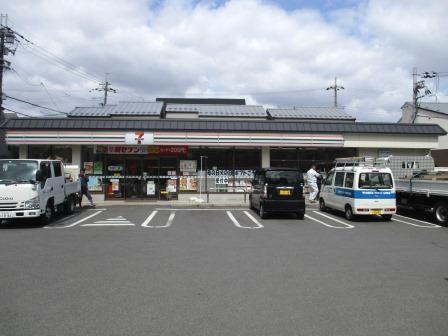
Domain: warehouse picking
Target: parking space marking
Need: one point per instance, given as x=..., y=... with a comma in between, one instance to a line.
x=95, y=209
x=75, y=223
x=197, y=209
x=117, y=221
x=323, y=223
x=349, y=226
x=237, y=224
x=259, y=226
x=432, y=226
x=417, y=220
x=152, y=215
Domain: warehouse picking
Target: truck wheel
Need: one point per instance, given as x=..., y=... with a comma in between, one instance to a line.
x=300, y=215
x=386, y=217
x=69, y=205
x=48, y=215
x=441, y=213
x=349, y=213
x=262, y=211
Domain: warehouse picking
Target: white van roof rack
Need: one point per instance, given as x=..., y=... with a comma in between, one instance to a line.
x=355, y=161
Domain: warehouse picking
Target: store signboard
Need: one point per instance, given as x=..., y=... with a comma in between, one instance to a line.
x=139, y=138
x=145, y=150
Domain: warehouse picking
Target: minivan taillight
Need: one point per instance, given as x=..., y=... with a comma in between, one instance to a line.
x=265, y=191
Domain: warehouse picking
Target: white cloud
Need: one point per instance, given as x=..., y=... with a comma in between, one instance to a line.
x=233, y=50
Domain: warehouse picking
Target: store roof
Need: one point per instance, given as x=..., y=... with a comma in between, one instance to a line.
x=219, y=101
x=310, y=113
x=215, y=110
x=123, y=108
x=219, y=125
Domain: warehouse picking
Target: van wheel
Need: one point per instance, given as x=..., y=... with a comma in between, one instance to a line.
x=386, y=217
x=69, y=206
x=263, y=213
x=251, y=206
x=300, y=215
x=48, y=215
x=322, y=206
x=441, y=213
x=349, y=213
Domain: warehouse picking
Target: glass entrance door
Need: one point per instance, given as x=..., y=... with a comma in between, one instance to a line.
x=133, y=179
x=150, y=179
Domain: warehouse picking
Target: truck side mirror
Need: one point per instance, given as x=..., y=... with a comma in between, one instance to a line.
x=39, y=176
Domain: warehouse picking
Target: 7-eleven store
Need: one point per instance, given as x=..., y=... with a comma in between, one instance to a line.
x=175, y=159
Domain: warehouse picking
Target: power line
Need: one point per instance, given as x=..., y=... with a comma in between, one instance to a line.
x=51, y=56
x=36, y=105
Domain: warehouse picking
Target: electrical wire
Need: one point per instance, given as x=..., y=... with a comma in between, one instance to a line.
x=36, y=105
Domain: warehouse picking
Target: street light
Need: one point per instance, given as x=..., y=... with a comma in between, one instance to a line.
x=200, y=179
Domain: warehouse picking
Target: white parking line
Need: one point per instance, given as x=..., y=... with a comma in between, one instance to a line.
x=152, y=215
x=259, y=226
x=197, y=209
x=95, y=209
x=237, y=224
x=349, y=226
x=331, y=226
x=432, y=226
x=117, y=221
x=75, y=223
x=417, y=220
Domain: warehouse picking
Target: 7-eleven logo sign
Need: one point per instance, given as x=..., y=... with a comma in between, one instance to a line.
x=139, y=138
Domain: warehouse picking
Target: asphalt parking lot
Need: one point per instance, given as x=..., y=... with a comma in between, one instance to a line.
x=143, y=270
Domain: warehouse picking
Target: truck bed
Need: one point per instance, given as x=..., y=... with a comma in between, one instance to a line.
x=72, y=187
x=422, y=186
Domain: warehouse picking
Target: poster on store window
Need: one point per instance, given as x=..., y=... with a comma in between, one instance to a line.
x=188, y=183
x=97, y=167
x=171, y=185
x=94, y=183
x=188, y=166
x=150, y=188
x=115, y=184
x=88, y=167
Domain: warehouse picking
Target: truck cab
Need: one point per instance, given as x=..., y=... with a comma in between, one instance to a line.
x=35, y=189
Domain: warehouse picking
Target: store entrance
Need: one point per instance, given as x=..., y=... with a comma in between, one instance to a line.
x=137, y=178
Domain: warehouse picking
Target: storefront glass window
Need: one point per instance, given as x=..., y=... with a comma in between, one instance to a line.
x=63, y=153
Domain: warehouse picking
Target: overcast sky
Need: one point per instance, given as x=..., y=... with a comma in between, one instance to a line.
x=275, y=53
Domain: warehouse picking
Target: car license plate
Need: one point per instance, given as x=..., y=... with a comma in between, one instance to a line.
x=5, y=214
x=285, y=192
x=375, y=211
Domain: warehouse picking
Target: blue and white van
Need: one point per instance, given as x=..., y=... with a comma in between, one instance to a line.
x=358, y=188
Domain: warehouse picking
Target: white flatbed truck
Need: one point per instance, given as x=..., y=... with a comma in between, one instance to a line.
x=35, y=189
x=419, y=186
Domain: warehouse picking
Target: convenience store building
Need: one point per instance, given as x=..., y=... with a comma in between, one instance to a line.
x=159, y=150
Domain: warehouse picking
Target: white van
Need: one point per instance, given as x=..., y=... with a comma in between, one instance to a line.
x=359, y=188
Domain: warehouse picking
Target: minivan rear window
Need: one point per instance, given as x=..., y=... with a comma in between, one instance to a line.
x=375, y=181
x=283, y=177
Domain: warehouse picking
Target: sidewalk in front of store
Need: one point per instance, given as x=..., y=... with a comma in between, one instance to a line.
x=213, y=202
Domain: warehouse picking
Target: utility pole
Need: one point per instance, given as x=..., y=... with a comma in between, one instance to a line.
x=105, y=87
x=416, y=95
x=335, y=88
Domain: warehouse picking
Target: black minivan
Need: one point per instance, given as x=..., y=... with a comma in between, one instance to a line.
x=278, y=190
